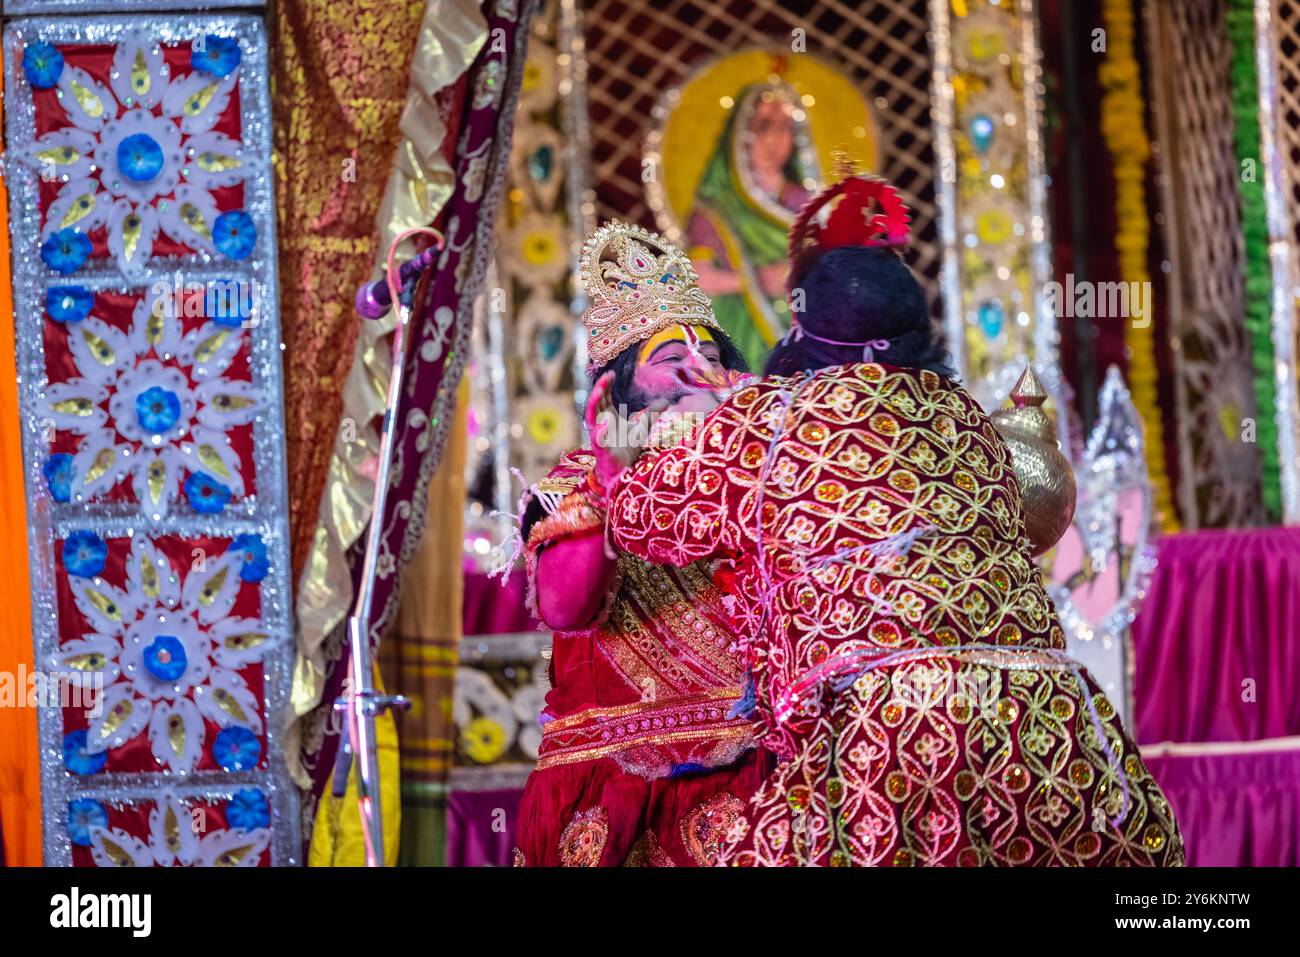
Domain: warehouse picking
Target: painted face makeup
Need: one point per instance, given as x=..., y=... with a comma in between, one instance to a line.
x=668, y=353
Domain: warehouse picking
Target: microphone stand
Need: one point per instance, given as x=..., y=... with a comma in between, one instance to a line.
x=361, y=703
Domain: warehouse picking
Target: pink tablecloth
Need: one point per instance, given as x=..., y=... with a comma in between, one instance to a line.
x=1217, y=670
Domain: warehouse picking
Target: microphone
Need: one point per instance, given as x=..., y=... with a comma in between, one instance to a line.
x=374, y=299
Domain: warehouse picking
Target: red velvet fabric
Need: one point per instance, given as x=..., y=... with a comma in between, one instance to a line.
x=673, y=810
x=636, y=738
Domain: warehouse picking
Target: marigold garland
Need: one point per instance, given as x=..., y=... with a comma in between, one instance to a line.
x=1254, y=224
x=1123, y=124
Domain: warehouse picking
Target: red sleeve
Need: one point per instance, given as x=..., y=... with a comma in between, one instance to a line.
x=699, y=500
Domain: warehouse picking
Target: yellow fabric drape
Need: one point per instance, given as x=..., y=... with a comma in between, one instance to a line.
x=336, y=837
x=20, y=778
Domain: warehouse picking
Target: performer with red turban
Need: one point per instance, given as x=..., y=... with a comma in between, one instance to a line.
x=641, y=761
x=906, y=663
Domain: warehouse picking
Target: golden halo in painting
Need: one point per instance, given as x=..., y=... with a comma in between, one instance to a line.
x=735, y=152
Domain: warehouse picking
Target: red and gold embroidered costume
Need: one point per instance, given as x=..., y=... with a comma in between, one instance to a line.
x=906, y=659
x=639, y=763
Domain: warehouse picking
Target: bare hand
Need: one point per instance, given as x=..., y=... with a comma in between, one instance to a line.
x=608, y=433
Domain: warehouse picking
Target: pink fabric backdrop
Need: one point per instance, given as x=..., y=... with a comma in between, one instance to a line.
x=489, y=609
x=1217, y=649
x=474, y=838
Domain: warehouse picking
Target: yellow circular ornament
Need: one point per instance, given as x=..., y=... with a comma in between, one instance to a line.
x=483, y=740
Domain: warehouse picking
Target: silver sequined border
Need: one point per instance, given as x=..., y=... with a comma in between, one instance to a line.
x=942, y=112
x=1046, y=335
x=579, y=195
x=1287, y=401
x=65, y=7
x=265, y=513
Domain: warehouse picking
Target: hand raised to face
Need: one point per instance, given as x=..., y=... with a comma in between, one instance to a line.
x=608, y=433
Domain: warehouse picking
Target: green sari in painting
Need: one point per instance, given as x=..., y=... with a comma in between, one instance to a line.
x=742, y=235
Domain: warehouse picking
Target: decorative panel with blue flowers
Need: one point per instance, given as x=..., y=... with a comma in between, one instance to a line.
x=145, y=293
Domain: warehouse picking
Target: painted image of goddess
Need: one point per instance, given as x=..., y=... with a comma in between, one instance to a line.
x=741, y=147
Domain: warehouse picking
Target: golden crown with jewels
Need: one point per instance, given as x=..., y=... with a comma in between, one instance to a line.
x=638, y=284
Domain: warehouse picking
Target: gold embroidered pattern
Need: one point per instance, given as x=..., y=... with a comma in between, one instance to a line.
x=647, y=852
x=583, y=840
x=957, y=761
x=872, y=511
x=666, y=634
x=707, y=826
x=689, y=729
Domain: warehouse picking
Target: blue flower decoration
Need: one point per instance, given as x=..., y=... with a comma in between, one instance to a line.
x=256, y=564
x=219, y=56
x=140, y=158
x=66, y=251
x=84, y=554
x=225, y=302
x=237, y=749
x=165, y=658
x=83, y=814
x=58, y=476
x=157, y=409
x=43, y=64
x=206, y=494
x=75, y=758
x=248, y=809
x=68, y=303
x=234, y=234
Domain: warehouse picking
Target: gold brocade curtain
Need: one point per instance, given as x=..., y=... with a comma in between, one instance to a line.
x=419, y=659
x=340, y=81
x=419, y=183
x=401, y=69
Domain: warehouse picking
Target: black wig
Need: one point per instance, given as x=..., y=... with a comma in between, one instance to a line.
x=856, y=294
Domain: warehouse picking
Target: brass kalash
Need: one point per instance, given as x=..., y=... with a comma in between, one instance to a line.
x=1046, y=480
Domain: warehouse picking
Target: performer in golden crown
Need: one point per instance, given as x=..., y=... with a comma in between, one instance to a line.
x=641, y=760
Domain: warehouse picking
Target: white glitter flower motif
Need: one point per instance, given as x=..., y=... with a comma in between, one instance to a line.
x=173, y=640
x=169, y=408
x=177, y=837
x=140, y=155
